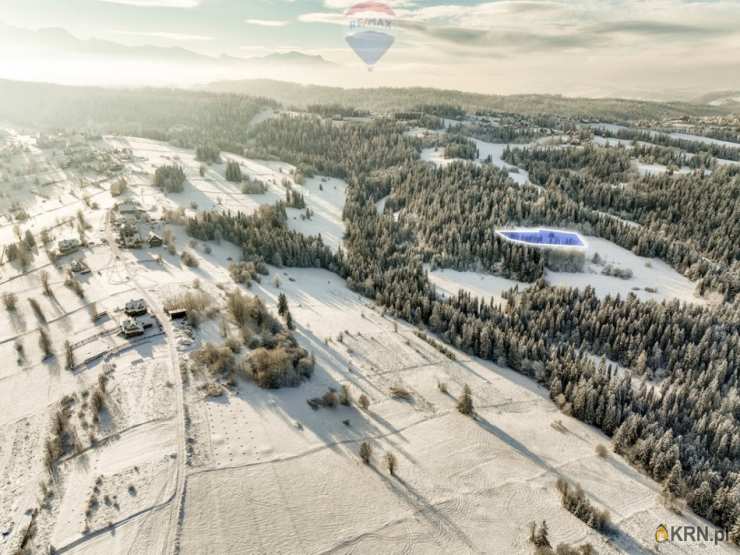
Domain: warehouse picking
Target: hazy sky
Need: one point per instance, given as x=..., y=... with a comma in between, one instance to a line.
x=596, y=47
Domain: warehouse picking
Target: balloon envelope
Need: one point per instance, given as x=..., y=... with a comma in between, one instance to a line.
x=370, y=45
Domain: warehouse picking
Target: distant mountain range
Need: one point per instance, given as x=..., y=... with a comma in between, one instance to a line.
x=56, y=43
x=390, y=99
x=720, y=98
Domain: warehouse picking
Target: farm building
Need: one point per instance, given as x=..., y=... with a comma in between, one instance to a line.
x=178, y=314
x=135, y=307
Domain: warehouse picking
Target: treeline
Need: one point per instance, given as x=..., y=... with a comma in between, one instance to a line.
x=730, y=135
x=185, y=118
x=725, y=152
x=419, y=119
x=338, y=149
x=442, y=110
x=608, y=164
x=500, y=133
x=672, y=158
x=336, y=110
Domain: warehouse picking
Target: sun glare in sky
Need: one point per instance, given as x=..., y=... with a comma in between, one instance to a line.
x=660, y=49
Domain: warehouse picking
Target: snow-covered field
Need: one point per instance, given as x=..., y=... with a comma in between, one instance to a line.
x=494, y=150
x=484, y=286
x=267, y=473
x=323, y=195
x=648, y=273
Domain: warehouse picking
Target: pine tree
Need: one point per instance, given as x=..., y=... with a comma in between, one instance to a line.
x=673, y=485
x=465, y=404
x=735, y=531
x=282, y=304
x=541, y=537
x=233, y=171
x=289, y=320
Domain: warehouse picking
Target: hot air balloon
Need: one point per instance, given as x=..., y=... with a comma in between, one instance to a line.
x=370, y=32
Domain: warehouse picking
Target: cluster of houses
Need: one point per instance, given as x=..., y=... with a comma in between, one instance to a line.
x=134, y=326
x=129, y=215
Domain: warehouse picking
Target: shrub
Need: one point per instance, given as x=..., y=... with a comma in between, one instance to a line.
x=69, y=356
x=197, y=304
x=390, y=463
x=45, y=283
x=20, y=351
x=344, y=396
x=602, y=451
x=399, y=392
x=214, y=390
x=363, y=401
x=216, y=359
x=366, y=452
x=253, y=187
x=97, y=401
x=436, y=344
x=10, y=300
x=576, y=502
x=278, y=367
x=189, y=259
x=329, y=399
x=75, y=286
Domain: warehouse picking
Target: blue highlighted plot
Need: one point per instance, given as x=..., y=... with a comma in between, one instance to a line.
x=544, y=238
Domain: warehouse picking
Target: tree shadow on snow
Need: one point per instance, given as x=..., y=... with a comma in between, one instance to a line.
x=423, y=509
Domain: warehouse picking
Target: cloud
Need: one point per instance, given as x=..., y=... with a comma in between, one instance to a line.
x=165, y=35
x=664, y=29
x=157, y=3
x=267, y=22
x=323, y=17
x=344, y=4
x=531, y=31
